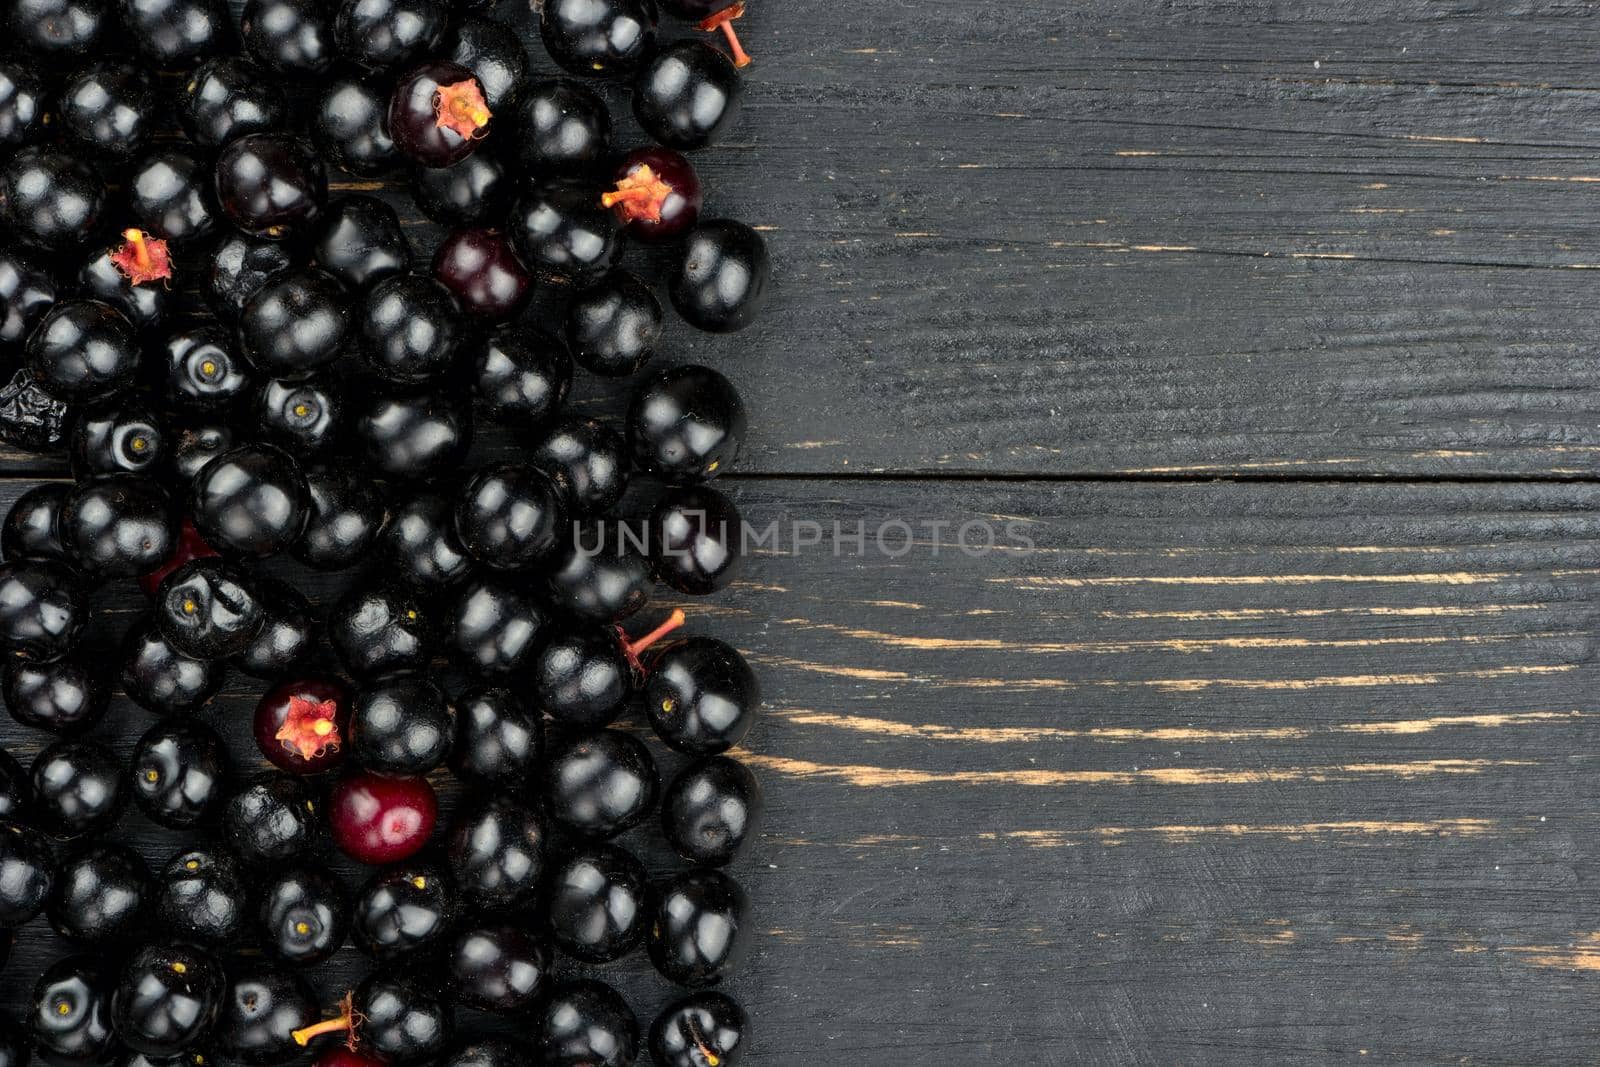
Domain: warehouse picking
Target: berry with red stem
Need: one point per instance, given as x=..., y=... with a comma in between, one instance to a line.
x=657, y=194
x=177, y=773
x=598, y=38
x=584, y=676
x=493, y=52
x=271, y=184
x=614, y=325
x=301, y=725
x=122, y=436
x=562, y=127
x=705, y=1029
x=171, y=194
x=64, y=696
x=381, y=820
x=133, y=277
x=600, y=783
x=686, y=423
x=701, y=696
x=359, y=241
x=438, y=114
x=351, y=127
x=715, y=21
x=50, y=199
x=385, y=34
x=392, y=1018
x=687, y=96
x=228, y=97
x=697, y=932
x=721, y=282
x=485, y=275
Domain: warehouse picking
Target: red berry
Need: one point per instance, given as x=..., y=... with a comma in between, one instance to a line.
x=301, y=725
x=342, y=1056
x=190, y=546
x=485, y=275
x=378, y=820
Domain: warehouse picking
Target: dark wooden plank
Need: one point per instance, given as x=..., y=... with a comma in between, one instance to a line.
x=1210, y=773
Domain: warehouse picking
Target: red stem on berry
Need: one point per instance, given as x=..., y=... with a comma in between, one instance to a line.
x=633, y=648
x=142, y=258
x=460, y=106
x=638, y=196
x=345, y=1021
x=723, y=20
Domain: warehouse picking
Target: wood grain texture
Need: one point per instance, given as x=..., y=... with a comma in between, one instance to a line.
x=1210, y=773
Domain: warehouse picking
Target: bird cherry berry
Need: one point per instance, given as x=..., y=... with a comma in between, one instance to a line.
x=723, y=20
x=657, y=194
x=300, y=725
x=377, y=820
x=142, y=258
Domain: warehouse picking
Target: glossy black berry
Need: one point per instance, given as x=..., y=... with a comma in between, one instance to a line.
x=140, y=291
x=600, y=575
x=77, y=788
x=178, y=773
x=25, y=110
x=687, y=96
x=483, y=273
x=208, y=609
x=43, y=609
x=498, y=968
x=559, y=227
x=263, y=1005
x=271, y=184
x=304, y=915
x=496, y=849
x=686, y=423
x=588, y=461
x=711, y=810
x=58, y=29
x=399, y=1020
x=228, y=97
x=400, y=725
x=176, y=34
x=404, y=907
x=410, y=327
x=107, y=109
x=509, y=516
x=438, y=114
x=203, y=372
x=166, y=999
x=160, y=679
x=100, y=895
x=202, y=896
x=301, y=416
x=721, y=280
x=696, y=539
x=118, y=526
x=271, y=820
x=698, y=931
x=704, y=1028
x=586, y=1023
x=250, y=501
x=83, y=350
x=237, y=267
x=600, y=783
x=347, y=517
x=583, y=677
x=420, y=546
x=295, y=323
x=701, y=696
x=27, y=873
x=359, y=241
x=15, y=792
x=194, y=446
x=31, y=529
x=520, y=376
x=493, y=52
x=493, y=627
x=65, y=696
x=599, y=903
x=614, y=326
x=598, y=38
x=351, y=127
x=483, y=1052
x=50, y=199
x=476, y=191
x=378, y=629
x=170, y=194
x=385, y=34
x=292, y=38
x=289, y=637
x=562, y=127
x=499, y=739
x=27, y=291
x=69, y=1019
x=414, y=435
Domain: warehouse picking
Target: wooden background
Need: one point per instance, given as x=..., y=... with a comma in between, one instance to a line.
x=1271, y=326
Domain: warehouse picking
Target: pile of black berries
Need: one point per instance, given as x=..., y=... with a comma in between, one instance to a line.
x=242, y=371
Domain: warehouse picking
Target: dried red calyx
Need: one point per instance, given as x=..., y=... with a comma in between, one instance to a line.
x=142, y=258
x=635, y=647
x=311, y=728
x=460, y=107
x=638, y=196
x=723, y=20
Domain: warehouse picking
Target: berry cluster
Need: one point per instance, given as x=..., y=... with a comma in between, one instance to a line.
x=243, y=371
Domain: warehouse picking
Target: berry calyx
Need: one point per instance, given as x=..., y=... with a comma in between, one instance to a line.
x=636, y=647
x=311, y=728
x=638, y=196
x=723, y=20
x=142, y=258
x=461, y=108
x=345, y=1022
